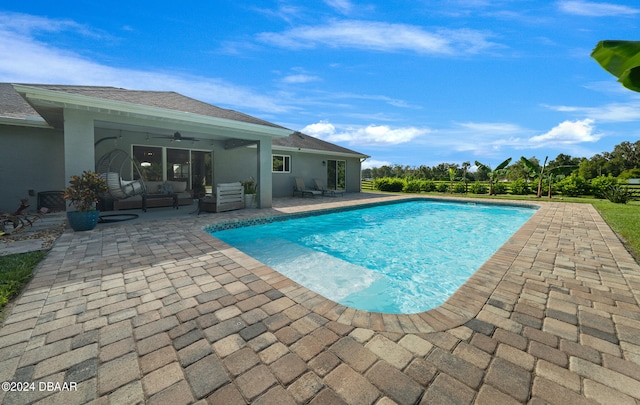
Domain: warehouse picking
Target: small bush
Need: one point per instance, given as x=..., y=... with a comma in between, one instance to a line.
x=478, y=188
x=573, y=186
x=389, y=184
x=520, y=187
x=459, y=188
x=500, y=188
x=427, y=186
x=442, y=188
x=412, y=186
x=618, y=194
x=600, y=186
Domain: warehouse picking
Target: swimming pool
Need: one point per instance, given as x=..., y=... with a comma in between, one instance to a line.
x=400, y=258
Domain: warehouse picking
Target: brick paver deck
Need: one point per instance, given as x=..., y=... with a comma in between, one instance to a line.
x=160, y=312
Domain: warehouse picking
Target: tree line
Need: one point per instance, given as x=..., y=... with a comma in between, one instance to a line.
x=623, y=163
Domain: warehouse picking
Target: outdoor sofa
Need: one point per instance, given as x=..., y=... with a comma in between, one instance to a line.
x=157, y=189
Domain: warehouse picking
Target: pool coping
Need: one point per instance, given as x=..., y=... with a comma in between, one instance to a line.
x=462, y=306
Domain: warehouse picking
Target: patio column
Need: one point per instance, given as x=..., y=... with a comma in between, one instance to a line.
x=265, y=178
x=79, y=152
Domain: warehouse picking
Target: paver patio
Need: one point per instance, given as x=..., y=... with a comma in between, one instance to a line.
x=161, y=312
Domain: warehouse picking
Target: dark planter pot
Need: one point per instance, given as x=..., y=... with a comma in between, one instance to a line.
x=83, y=220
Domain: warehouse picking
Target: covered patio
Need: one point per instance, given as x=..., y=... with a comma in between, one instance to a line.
x=93, y=121
x=157, y=311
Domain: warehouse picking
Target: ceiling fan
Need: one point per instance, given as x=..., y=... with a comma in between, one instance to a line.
x=177, y=137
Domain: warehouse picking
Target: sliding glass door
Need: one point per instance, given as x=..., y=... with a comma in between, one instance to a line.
x=336, y=174
x=192, y=166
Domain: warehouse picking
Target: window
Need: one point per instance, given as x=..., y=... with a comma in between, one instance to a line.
x=281, y=164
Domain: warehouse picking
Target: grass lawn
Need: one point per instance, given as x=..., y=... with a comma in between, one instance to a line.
x=624, y=219
x=15, y=272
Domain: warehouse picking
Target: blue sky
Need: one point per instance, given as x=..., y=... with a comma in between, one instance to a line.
x=406, y=82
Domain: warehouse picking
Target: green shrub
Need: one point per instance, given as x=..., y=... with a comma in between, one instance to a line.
x=573, y=186
x=412, y=186
x=500, y=188
x=600, y=185
x=618, y=194
x=520, y=187
x=478, y=188
x=427, y=186
x=442, y=188
x=459, y=188
x=392, y=184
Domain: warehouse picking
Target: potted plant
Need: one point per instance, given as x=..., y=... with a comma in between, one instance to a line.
x=82, y=193
x=249, y=192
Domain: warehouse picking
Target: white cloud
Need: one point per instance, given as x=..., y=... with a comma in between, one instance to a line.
x=341, y=6
x=380, y=36
x=29, y=56
x=593, y=9
x=300, y=78
x=372, y=135
x=369, y=163
x=567, y=133
x=614, y=112
x=491, y=128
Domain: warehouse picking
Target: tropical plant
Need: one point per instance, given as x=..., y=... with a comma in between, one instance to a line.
x=249, y=185
x=618, y=194
x=621, y=59
x=558, y=174
x=465, y=170
x=84, y=191
x=452, y=178
x=493, y=174
x=535, y=172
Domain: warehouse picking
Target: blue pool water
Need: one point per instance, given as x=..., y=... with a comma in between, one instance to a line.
x=399, y=258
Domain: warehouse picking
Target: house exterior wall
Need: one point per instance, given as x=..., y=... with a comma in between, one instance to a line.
x=30, y=159
x=309, y=166
x=240, y=164
x=33, y=159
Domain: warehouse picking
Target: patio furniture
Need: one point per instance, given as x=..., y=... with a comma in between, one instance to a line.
x=111, y=166
x=159, y=200
x=229, y=196
x=164, y=188
x=301, y=188
x=325, y=191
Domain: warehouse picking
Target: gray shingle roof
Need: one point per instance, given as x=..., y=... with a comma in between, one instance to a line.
x=12, y=105
x=161, y=99
x=303, y=141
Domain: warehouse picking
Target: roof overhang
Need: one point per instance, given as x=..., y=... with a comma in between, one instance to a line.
x=30, y=121
x=51, y=103
x=319, y=152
